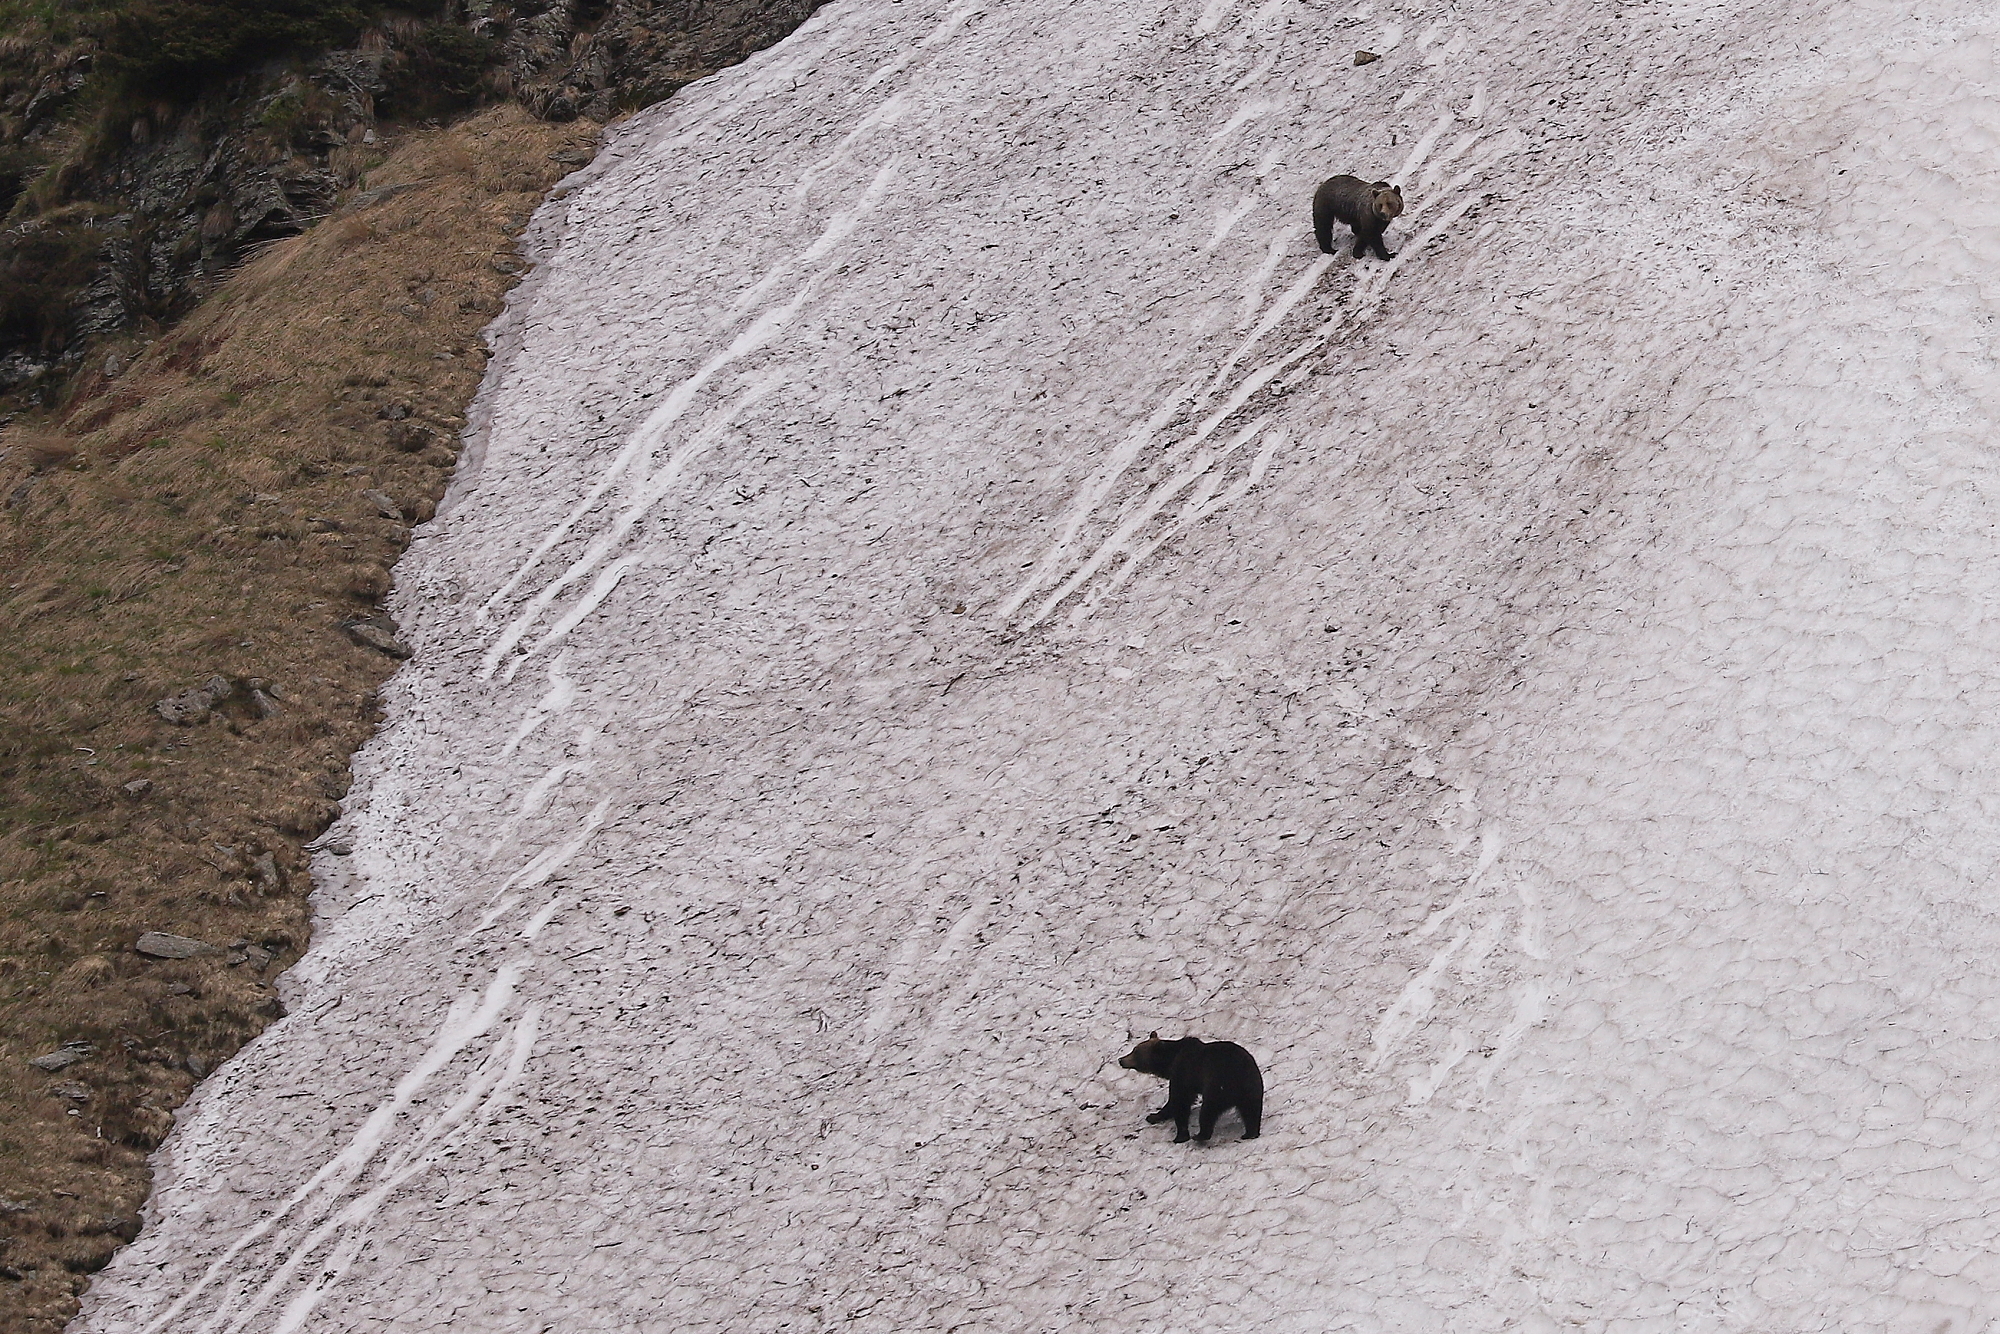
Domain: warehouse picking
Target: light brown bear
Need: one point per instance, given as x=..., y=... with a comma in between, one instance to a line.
x=1367, y=208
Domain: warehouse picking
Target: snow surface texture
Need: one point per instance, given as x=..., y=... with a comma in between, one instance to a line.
x=953, y=579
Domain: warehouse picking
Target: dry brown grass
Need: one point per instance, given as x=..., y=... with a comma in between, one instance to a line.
x=200, y=515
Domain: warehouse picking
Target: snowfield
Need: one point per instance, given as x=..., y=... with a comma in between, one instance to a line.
x=950, y=579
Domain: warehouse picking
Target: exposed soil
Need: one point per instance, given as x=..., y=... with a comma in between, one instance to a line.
x=228, y=505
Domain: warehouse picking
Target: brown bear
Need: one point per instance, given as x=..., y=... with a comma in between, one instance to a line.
x=1367, y=208
x=1221, y=1074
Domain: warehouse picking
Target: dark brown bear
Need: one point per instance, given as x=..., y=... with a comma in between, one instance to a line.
x=1221, y=1074
x=1367, y=208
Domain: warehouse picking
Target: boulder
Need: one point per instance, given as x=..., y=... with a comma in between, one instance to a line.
x=63, y=1057
x=194, y=706
x=370, y=635
x=163, y=945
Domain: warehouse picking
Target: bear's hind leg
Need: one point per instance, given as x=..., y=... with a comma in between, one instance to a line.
x=1253, y=1117
x=1180, y=1101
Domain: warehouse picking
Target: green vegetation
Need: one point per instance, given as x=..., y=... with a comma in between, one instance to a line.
x=87, y=85
x=42, y=270
x=452, y=61
x=161, y=48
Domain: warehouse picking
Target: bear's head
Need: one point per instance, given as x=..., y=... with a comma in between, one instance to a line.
x=1388, y=199
x=1149, y=1057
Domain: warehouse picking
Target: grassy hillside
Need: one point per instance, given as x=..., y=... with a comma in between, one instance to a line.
x=246, y=250
x=226, y=507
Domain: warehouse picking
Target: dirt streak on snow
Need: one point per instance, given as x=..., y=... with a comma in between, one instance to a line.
x=950, y=578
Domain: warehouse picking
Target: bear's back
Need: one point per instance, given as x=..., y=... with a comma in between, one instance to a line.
x=1353, y=200
x=1229, y=1065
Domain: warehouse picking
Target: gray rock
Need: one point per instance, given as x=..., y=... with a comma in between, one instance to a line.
x=63, y=1057
x=1365, y=57
x=194, y=706
x=384, y=506
x=258, y=957
x=263, y=704
x=340, y=849
x=70, y=1091
x=185, y=709
x=162, y=945
x=264, y=866
x=355, y=77
x=138, y=787
x=375, y=637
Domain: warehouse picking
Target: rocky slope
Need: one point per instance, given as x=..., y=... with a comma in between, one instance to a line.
x=132, y=194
